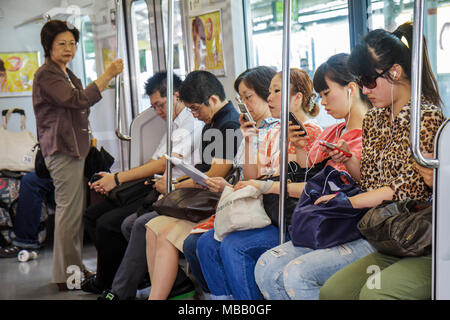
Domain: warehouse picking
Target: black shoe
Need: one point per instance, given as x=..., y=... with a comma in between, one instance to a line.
x=90, y=285
x=182, y=291
x=108, y=295
x=10, y=251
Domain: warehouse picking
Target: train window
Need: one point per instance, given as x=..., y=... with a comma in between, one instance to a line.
x=143, y=54
x=389, y=14
x=88, y=50
x=312, y=43
x=179, y=56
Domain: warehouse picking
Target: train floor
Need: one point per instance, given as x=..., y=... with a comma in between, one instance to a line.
x=31, y=280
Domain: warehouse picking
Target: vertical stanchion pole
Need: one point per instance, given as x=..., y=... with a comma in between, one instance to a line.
x=284, y=118
x=170, y=111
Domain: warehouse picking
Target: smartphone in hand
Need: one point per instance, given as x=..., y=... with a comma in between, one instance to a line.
x=295, y=122
x=334, y=147
x=247, y=116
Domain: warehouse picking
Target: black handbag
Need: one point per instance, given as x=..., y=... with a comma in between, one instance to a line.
x=295, y=174
x=402, y=229
x=39, y=165
x=96, y=161
x=129, y=192
x=191, y=204
x=147, y=205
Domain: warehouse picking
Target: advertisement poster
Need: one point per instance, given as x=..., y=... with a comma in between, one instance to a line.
x=207, y=43
x=17, y=72
x=108, y=46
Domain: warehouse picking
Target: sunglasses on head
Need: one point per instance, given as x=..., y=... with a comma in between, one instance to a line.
x=370, y=82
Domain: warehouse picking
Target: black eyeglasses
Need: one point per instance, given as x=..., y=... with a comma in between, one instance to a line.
x=370, y=82
x=196, y=109
x=158, y=106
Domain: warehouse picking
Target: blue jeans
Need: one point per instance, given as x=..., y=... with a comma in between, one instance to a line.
x=33, y=191
x=297, y=273
x=190, y=253
x=228, y=266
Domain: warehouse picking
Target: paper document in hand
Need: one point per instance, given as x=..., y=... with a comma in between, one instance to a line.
x=189, y=170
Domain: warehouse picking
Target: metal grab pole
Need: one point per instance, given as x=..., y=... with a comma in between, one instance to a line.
x=170, y=110
x=284, y=118
x=416, y=92
x=416, y=86
x=119, y=134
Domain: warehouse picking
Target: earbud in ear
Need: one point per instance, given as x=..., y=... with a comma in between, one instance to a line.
x=395, y=74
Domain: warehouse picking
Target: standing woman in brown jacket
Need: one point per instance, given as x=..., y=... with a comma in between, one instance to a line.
x=61, y=107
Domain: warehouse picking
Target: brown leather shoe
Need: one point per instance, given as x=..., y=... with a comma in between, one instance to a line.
x=62, y=286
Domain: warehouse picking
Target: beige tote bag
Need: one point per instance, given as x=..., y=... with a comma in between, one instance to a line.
x=239, y=210
x=17, y=149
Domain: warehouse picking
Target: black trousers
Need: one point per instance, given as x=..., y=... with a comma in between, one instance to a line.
x=102, y=222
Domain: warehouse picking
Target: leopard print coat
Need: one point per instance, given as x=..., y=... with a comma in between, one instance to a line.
x=386, y=157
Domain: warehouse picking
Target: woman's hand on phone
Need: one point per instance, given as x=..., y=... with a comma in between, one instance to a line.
x=296, y=136
x=248, y=128
x=337, y=155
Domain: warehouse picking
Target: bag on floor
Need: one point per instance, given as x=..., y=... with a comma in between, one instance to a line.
x=18, y=150
x=402, y=229
x=9, y=196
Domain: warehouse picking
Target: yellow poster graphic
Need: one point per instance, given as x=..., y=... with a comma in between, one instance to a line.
x=207, y=43
x=17, y=72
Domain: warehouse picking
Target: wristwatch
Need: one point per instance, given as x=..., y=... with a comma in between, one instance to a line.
x=116, y=179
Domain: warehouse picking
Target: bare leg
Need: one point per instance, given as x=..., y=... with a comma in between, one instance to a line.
x=150, y=251
x=163, y=266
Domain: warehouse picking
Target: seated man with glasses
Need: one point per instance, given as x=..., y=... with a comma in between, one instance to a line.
x=103, y=220
x=204, y=95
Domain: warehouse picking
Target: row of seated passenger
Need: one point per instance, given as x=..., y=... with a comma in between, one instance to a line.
x=369, y=89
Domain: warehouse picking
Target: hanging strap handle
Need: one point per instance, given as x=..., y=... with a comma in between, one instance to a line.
x=6, y=114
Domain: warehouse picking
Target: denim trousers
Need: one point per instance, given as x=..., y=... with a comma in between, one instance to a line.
x=33, y=191
x=190, y=253
x=228, y=266
x=288, y=272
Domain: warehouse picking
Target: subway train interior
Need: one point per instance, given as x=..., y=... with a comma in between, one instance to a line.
x=125, y=120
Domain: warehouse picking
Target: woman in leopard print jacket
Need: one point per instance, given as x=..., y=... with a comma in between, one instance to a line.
x=386, y=170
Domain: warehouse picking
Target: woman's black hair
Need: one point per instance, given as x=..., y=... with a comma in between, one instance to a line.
x=257, y=79
x=336, y=70
x=381, y=49
x=2, y=65
x=51, y=29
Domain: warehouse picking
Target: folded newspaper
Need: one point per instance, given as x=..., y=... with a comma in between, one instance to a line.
x=189, y=170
